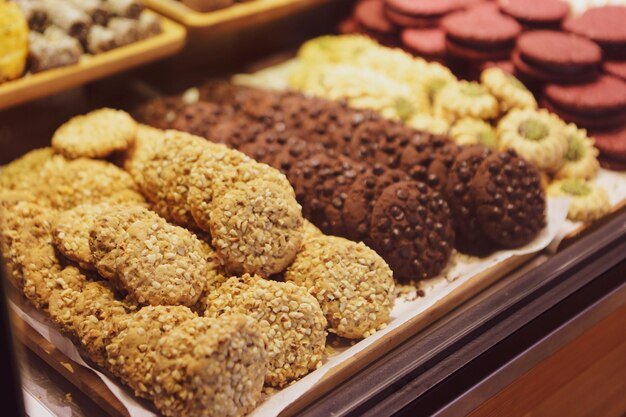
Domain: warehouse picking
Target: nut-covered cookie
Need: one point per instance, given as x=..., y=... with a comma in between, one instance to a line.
x=469, y=235
x=71, y=232
x=412, y=230
x=290, y=317
x=357, y=209
x=352, y=283
x=130, y=355
x=160, y=264
x=105, y=232
x=256, y=228
x=509, y=200
x=210, y=364
x=23, y=173
x=95, y=135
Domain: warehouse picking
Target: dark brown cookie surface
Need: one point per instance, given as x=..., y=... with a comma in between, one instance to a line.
x=469, y=235
x=411, y=229
x=509, y=200
x=428, y=158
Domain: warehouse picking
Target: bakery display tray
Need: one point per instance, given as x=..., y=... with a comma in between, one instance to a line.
x=45, y=83
x=240, y=13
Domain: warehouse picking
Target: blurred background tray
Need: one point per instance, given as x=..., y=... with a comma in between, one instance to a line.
x=45, y=83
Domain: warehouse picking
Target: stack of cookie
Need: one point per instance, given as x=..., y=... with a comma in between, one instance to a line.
x=62, y=31
x=161, y=271
x=396, y=198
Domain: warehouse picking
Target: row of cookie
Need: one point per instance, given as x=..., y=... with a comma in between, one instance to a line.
x=359, y=199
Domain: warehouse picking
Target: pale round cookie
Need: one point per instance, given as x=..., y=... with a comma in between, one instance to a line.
x=428, y=123
x=589, y=201
x=468, y=131
x=309, y=230
x=28, y=250
x=95, y=135
x=352, y=283
x=465, y=99
x=210, y=365
x=136, y=157
x=65, y=184
x=130, y=355
x=256, y=228
x=290, y=317
x=536, y=135
x=88, y=316
x=161, y=264
x=71, y=232
x=105, y=232
x=23, y=173
x=509, y=91
x=581, y=157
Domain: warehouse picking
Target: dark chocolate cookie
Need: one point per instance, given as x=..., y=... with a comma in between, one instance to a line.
x=509, y=200
x=159, y=113
x=428, y=158
x=411, y=229
x=357, y=209
x=469, y=235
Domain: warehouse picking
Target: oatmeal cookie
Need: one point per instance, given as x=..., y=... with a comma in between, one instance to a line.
x=589, y=201
x=23, y=173
x=130, y=355
x=95, y=135
x=353, y=285
x=210, y=364
x=256, y=228
x=290, y=317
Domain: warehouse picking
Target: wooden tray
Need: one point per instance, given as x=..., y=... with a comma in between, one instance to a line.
x=93, y=67
x=257, y=9
x=89, y=383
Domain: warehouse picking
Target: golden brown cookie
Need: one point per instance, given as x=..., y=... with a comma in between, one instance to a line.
x=289, y=316
x=130, y=355
x=210, y=364
x=589, y=201
x=256, y=228
x=95, y=135
x=23, y=173
x=353, y=285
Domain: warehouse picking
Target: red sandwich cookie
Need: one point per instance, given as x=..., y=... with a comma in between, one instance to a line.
x=370, y=16
x=537, y=14
x=604, y=25
x=429, y=43
x=419, y=14
x=597, y=104
x=612, y=164
x=612, y=143
x=556, y=56
x=480, y=35
x=346, y=26
x=616, y=68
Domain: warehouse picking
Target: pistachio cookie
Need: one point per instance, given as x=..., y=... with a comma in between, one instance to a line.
x=161, y=264
x=468, y=131
x=412, y=230
x=290, y=317
x=352, y=283
x=130, y=355
x=256, y=228
x=536, y=135
x=581, y=158
x=509, y=201
x=210, y=364
x=589, y=201
x=95, y=135
x=465, y=99
x=509, y=91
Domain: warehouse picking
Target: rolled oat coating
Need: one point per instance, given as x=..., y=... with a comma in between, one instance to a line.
x=353, y=285
x=256, y=228
x=289, y=316
x=210, y=367
x=130, y=355
x=88, y=316
x=161, y=264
